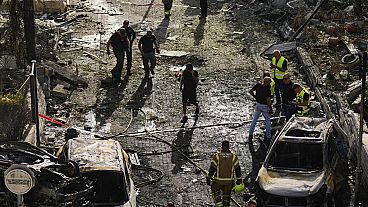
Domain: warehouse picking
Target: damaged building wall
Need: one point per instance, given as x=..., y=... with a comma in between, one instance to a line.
x=348, y=121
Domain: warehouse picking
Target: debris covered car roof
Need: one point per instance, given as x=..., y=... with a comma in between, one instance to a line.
x=96, y=154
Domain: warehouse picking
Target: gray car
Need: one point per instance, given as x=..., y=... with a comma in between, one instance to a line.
x=299, y=165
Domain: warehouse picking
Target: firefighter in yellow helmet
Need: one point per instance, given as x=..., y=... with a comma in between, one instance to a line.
x=223, y=167
x=302, y=100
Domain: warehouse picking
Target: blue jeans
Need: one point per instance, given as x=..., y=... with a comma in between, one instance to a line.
x=261, y=108
x=279, y=87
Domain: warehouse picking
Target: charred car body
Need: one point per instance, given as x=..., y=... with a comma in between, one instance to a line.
x=299, y=165
x=57, y=183
x=106, y=165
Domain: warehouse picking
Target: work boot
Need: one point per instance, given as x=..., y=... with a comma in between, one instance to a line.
x=184, y=119
x=197, y=111
x=250, y=138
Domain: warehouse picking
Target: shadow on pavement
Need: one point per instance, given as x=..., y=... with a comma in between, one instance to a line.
x=112, y=100
x=142, y=93
x=182, y=142
x=198, y=35
x=161, y=30
x=257, y=159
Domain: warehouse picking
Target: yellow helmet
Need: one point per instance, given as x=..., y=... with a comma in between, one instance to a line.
x=239, y=188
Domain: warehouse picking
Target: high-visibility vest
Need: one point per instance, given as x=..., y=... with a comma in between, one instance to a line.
x=225, y=163
x=272, y=87
x=302, y=110
x=276, y=73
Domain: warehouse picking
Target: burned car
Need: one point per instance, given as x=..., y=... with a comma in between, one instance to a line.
x=106, y=165
x=298, y=167
x=57, y=182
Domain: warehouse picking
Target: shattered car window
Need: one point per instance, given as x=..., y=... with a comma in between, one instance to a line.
x=297, y=156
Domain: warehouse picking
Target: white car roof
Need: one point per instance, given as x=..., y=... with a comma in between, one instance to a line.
x=96, y=154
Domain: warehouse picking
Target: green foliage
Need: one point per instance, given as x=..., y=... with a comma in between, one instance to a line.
x=13, y=116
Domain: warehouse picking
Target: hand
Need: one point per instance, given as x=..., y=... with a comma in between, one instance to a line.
x=239, y=181
x=208, y=180
x=158, y=50
x=273, y=66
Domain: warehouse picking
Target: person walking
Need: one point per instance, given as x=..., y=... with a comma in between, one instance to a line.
x=204, y=8
x=261, y=92
x=120, y=45
x=223, y=166
x=167, y=7
x=131, y=37
x=279, y=69
x=188, y=87
x=301, y=100
x=147, y=50
x=288, y=96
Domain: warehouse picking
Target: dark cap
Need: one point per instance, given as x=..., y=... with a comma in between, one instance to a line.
x=189, y=66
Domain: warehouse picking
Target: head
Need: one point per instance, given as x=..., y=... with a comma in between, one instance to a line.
x=297, y=88
x=277, y=54
x=122, y=32
x=266, y=81
x=252, y=203
x=189, y=66
x=225, y=145
x=125, y=23
x=286, y=79
x=266, y=74
x=149, y=32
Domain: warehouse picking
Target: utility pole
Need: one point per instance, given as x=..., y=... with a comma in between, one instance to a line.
x=29, y=30
x=358, y=171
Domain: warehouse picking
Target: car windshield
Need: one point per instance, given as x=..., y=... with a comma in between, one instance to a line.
x=296, y=156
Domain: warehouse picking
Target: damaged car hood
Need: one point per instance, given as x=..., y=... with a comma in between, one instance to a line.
x=286, y=183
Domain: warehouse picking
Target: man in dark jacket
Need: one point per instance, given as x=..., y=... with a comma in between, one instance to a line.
x=189, y=80
x=147, y=50
x=131, y=37
x=120, y=44
x=288, y=96
x=224, y=165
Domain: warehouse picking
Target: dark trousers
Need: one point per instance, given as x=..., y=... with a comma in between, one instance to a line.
x=129, y=54
x=288, y=109
x=116, y=71
x=168, y=5
x=279, y=87
x=204, y=7
x=149, y=62
x=221, y=194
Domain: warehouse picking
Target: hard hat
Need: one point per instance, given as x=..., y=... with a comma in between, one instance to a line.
x=239, y=188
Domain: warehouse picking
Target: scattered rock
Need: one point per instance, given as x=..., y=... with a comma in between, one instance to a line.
x=333, y=41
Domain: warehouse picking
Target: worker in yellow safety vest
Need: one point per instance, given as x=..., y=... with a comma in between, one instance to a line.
x=272, y=84
x=279, y=69
x=302, y=100
x=223, y=167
